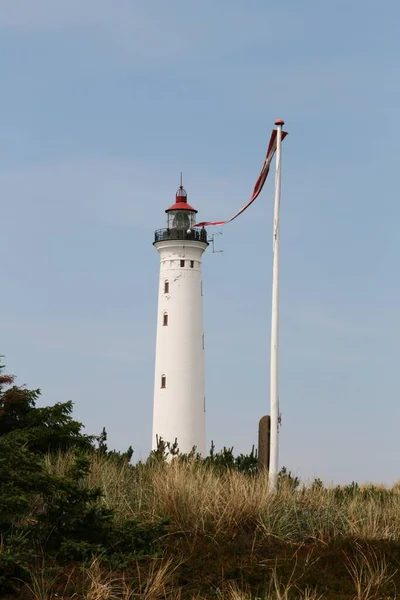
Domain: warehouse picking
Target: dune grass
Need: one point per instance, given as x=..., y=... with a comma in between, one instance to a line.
x=205, y=501
x=230, y=538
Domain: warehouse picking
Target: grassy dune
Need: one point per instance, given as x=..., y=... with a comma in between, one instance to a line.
x=228, y=537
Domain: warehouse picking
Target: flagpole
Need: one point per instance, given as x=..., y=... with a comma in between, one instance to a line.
x=274, y=389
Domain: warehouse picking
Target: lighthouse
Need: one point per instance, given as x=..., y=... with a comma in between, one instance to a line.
x=179, y=386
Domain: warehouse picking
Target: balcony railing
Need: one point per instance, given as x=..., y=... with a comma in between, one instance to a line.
x=197, y=235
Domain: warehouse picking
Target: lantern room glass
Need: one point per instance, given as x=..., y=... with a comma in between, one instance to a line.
x=181, y=219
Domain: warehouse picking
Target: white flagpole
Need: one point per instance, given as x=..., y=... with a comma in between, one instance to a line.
x=274, y=389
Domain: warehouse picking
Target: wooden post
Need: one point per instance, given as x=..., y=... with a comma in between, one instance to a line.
x=264, y=436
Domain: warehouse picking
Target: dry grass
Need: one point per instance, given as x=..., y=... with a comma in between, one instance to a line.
x=370, y=573
x=203, y=501
x=42, y=584
x=155, y=585
x=45, y=581
x=278, y=591
x=210, y=507
x=99, y=584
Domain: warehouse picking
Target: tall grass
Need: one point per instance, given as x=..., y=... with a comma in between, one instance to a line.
x=98, y=584
x=370, y=573
x=202, y=500
x=209, y=506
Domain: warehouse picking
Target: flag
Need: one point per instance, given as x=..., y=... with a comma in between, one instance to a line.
x=259, y=184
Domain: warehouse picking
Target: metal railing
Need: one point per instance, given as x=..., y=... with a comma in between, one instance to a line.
x=197, y=235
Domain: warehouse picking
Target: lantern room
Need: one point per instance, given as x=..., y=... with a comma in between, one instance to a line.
x=181, y=215
x=181, y=222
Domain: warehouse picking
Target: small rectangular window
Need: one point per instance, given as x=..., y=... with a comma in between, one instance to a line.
x=182, y=263
x=163, y=381
x=166, y=287
x=191, y=264
x=165, y=319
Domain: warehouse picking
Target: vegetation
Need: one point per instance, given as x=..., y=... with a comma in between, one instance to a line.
x=80, y=521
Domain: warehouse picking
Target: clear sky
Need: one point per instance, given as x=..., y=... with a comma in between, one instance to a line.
x=102, y=104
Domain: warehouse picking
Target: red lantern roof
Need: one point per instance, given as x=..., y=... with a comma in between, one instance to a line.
x=181, y=202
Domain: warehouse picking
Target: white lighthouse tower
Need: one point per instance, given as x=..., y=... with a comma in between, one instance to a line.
x=179, y=387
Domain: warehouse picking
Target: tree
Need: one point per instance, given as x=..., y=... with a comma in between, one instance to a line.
x=59, y=514
x=42, y=429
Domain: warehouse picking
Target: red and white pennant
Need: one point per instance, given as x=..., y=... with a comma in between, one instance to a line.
x=259, y=184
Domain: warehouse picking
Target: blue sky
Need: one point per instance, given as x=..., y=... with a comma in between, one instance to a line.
x=103, y=103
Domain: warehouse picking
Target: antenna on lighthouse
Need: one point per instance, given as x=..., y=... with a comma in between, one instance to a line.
x=212, y=240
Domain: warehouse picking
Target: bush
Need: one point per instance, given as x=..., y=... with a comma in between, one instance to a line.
x=224, y=460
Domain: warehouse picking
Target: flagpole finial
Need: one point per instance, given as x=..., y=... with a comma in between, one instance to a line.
x=279, y=122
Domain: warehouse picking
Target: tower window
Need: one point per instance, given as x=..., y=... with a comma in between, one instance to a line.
x=163, y=381
x=166, y=286
x=165, y=319
x=182, y=263
x=191, y=264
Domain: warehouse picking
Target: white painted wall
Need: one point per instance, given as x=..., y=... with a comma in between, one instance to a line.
x=179, y=409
